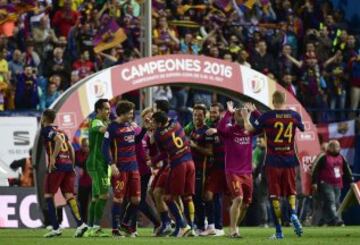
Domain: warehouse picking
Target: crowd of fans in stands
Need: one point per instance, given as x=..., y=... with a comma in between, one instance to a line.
x=305, y=45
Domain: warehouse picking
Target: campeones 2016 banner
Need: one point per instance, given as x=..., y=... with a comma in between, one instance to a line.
x=77, y=103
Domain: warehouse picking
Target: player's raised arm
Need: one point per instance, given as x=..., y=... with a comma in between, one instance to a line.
x=224, y=127
x=245, y=113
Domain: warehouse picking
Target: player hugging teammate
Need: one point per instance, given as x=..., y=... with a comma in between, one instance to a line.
x=193, y=167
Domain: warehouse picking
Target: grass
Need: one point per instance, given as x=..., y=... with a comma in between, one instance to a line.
x=324, y=235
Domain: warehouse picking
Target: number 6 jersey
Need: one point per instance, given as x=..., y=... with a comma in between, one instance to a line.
x=280, y=127
x=172, y=140
x=63, y=159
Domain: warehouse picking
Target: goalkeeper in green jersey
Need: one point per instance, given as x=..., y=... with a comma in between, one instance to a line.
x=97, y=168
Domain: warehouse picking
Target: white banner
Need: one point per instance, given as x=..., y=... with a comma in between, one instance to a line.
x=17, y=138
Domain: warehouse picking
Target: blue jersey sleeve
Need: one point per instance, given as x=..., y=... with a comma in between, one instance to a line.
x=106, y=149
x=299, y=122
x=48, y=133
x=258, y=122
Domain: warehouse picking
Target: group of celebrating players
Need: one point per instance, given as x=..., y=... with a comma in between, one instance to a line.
x=196, y=165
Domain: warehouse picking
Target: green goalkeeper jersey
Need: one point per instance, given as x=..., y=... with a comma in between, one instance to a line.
x=96, y=159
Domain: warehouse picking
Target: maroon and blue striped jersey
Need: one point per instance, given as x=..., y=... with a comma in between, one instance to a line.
x=218, y=149
x=201, y=139
x=119, y=145
x=280, y=128
x=63, y=161
x=172, y=140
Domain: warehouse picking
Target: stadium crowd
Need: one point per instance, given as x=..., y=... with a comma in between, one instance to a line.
x=307, y=46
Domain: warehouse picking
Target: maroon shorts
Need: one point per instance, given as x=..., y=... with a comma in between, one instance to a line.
x=216, y=181
x=181, y=181
x=64, y=180
x=281, y=181
x=161, y=178
x=240, y=185
x=126, y=184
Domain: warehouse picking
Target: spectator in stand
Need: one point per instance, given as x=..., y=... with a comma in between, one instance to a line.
x=165, y=37
x=16, y=65
x=336, y=84
x=84, y=65
x=74, y=78
x=354, y=67
x=58, y=65
x=31, y=57
x=311, y=85
x=328, y=175
x=64, y=19
x=351, y=48
x=50, y=95
x=261, y=60
x=26, y=93
x=287, y=83
x=44, y=37
x=84, y=186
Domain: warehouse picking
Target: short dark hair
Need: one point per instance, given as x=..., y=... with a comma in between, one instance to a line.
x=160, y=117
x=124, y=106
x=99, y=104
x=50, y=115
x=221, y=107
x=200, y=107
x=162, y=105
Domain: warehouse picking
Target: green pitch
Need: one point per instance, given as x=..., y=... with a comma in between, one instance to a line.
x=327, y=236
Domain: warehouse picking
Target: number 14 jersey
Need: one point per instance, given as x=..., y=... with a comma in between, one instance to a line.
x=280, y=127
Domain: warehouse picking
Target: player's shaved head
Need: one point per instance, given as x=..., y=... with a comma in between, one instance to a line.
x=124, y=107
x=278, y=98
x=334, y=147
x=49, y=115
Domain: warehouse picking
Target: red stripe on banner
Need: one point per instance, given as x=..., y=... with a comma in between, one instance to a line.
x=347, y=142
x=323, y=131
